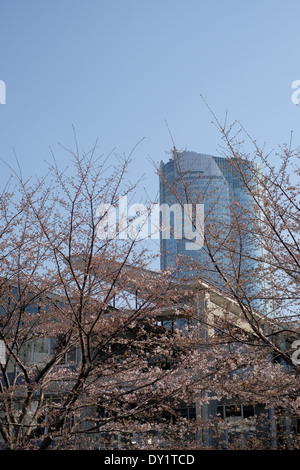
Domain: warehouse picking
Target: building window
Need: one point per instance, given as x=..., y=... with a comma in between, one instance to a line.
x=235, y=411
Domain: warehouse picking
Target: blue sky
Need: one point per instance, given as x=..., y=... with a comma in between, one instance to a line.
x=117, y=69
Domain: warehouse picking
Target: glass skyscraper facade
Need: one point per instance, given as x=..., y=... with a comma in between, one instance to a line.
x=215, y=184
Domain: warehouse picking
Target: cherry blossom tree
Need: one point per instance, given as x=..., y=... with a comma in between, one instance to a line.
x=80, y=346
x=255, y=258
x=103, y=352
x=94, y=355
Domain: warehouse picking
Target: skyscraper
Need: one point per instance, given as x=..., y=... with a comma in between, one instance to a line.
x=231, y=254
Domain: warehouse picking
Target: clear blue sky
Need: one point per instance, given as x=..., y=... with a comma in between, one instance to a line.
x=116, y=69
